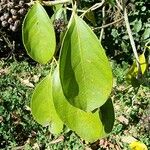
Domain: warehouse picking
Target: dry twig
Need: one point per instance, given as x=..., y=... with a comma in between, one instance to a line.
x=125, y=15
x=102, y=30
x=109, y=24
x=94, y=7
x=50, y=3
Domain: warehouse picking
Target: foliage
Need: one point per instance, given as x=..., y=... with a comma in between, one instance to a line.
x=85, y=72
x=38, y=34
x=41, y=100
x=133, y=120
x=17, y=127
x=119, y=44
x=82, y=89
x=76, y=119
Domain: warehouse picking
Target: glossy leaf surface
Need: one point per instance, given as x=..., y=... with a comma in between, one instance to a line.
x=85, y=72
x=42, y=106
x=86, y=124
x=38, y=34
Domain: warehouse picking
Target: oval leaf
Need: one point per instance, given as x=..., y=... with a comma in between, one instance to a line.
x=42, y=106
x=38, y=34
x=86, y=124
x=85, y=72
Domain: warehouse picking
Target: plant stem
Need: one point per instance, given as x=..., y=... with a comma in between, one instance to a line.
x=78, y=10
x=109, y=24
x=132, y=41
x=119, y=5
x=102, y=30
x=125, y=15
x=51, y=3
x=96, y=6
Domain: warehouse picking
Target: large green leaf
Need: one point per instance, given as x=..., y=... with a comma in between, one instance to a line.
x=38, y=34
x=42, y=106
x=86, y=124
x=85, y=72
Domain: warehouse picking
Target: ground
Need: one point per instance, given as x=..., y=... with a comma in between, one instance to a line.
x=18, y=130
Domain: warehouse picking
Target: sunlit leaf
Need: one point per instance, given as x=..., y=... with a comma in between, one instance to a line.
x=43, y=108
x=86, y=124
x=85, y=72
x=38, y=34
x=133, y=71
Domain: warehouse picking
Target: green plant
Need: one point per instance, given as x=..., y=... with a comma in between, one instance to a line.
x=76, y=91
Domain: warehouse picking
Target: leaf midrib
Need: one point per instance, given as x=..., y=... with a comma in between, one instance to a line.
x=81, y=54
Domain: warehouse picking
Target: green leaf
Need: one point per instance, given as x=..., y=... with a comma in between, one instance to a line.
x=107, y=115
x=133, y=71
x=146, y=33
x=38, y=34
x=111, y=2
x=85, y=72
x=42, y=106
x=86, y=124
x=61, y=14
x=138, y=25
x=114, y=33
x=91, y=17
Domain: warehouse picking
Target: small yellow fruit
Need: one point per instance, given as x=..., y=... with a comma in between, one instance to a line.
x=136, y=145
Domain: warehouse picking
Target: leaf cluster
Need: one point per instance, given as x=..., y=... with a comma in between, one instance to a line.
x=76, y=93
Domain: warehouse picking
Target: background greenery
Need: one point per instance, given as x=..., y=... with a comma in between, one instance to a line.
x=19, y=74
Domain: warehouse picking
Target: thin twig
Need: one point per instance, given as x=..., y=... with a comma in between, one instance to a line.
x=130, y=37
x=102, y=30
x=78, y=10
x=109, y=24
x=51, y=3
x=18, y=148
x=132, y=41
x=10, y=45
x=94, y=7
x=119, y=5
x=146, y=46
